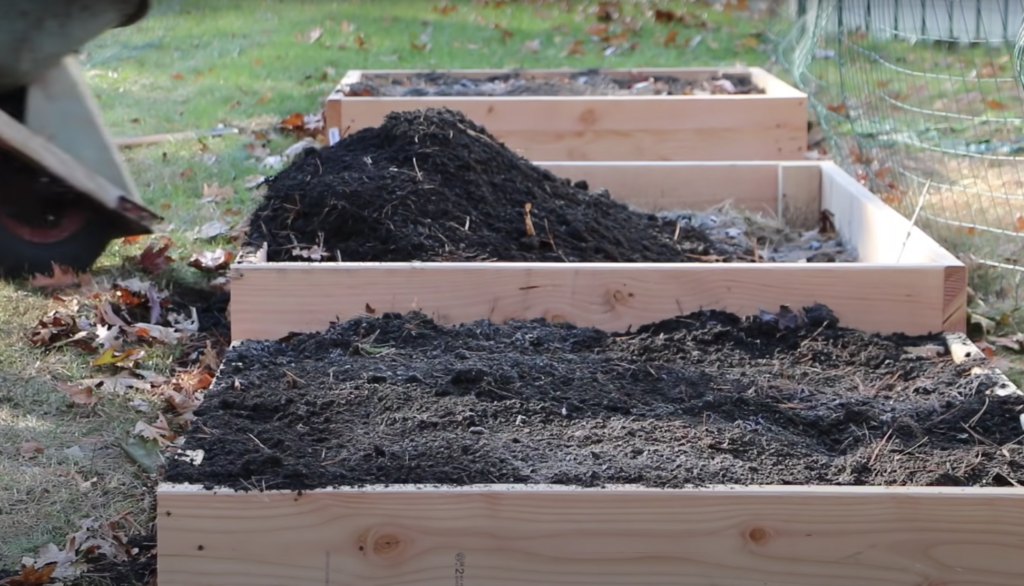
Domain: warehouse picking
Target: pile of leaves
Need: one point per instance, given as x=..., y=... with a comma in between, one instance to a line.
x=130, y=329
x=119, y=324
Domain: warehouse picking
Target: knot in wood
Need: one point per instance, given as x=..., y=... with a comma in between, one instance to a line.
x=759, y=535
x=386, y=545
x=588, y=118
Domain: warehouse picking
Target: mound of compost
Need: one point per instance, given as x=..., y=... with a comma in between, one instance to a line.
x=591, y=82
x=431, y=185
x=704, y=398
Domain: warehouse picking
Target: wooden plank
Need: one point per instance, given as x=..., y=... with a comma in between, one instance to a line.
x=581, y=113
x=551, y=536
x=769, y=126
x=717, y=141
x=799, y=194
x=271, y=300
x=925, y=293
x=883, y=235
x=667, y=186
x=878, y=231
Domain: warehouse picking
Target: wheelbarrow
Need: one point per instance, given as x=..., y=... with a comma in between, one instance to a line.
x=67, y=192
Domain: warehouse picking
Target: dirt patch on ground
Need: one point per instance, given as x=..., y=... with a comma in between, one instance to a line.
x=700, y=399
x=590, y=82
x=431, y=185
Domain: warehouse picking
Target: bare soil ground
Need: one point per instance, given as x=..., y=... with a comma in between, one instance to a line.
x=591, y=82
x=705, y=398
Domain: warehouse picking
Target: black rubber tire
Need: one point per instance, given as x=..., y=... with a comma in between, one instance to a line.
x=79, y=251
x=141, y=10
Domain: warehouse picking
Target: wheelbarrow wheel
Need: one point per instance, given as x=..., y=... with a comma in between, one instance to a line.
x=71, y=233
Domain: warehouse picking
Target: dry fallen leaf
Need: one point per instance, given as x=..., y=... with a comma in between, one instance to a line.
x=295, y=121
x=82, y=396
x=155, y=332
x=215, y=192
x=211, y=230
x=576, y=48
x=532, y=46
x=1014, y=342
x=62, y=278
x=56, y=327
x=194, y=381
x=30, y=450
x=212, y=261
x=117, y=384
x=30, y=576
x=112, y=357
x=826, y=224
x=154, y=259
x=159, y=431
x=444, y=9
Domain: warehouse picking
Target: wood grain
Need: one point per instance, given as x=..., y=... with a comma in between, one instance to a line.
x=545, y=536
x=771, y=126
x=667, y=186
x=883, y=235
x=920, y=295
x=271, y=300
x=799, y=194
x=878, y=230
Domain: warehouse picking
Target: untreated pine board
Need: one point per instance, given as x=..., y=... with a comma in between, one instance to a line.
x=883, y=235
x=799, y=195
x=269, y=301
x=922, y=294
x=747, y=142
x=668, y=186
x=622, y=536
x=787, y=190
x=770, y=126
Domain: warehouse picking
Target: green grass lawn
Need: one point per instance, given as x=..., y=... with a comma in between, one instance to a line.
x=195, y=64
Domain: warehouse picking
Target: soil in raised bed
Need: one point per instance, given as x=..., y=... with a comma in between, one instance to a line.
x=591, y=82
x=432, y=185
x=706, y=398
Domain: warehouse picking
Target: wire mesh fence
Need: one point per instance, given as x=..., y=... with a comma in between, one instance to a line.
x=921, y=100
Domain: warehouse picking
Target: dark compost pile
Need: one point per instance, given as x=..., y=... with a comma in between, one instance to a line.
x=700, y=399
x=590, y=82
x=431, y=185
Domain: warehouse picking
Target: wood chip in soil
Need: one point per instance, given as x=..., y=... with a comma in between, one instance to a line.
x=705, y=398
x=431, y=185
x=591, y=82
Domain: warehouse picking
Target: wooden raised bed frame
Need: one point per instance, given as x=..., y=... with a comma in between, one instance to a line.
x=552, y=536
x=763, y=127
x=924, y=292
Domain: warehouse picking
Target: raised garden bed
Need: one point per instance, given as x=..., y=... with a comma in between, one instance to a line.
x=427, y=212
x=597, y=115
x=706, y=448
